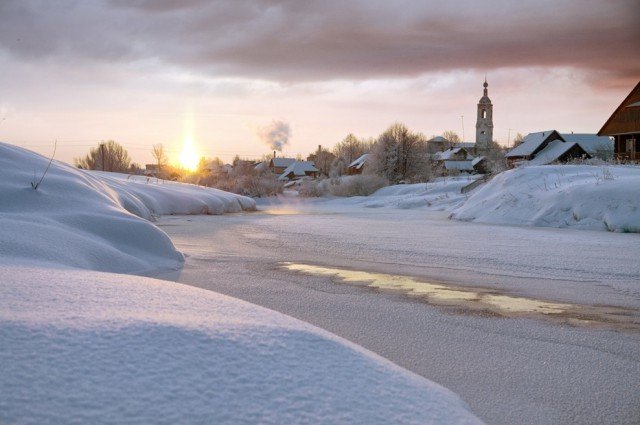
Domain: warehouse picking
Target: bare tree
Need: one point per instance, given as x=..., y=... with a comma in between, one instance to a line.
x=400, y=155
x=518, y=140
x=107, y=156
x=350, y=149
x=160, y=156
x=451, y=136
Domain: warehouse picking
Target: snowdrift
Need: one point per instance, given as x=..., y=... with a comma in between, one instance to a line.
x=440, y=195
x=149, y=196
x=576, y=196
x=84, y=220
x=88, y=347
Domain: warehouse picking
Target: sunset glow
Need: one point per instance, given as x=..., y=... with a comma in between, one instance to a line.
x=188, y=157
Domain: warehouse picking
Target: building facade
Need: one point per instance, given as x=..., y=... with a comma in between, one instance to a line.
x=484, y=122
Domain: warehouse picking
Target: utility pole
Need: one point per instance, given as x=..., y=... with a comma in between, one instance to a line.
x=462, y=118
x=509, y=137
x=102, y=154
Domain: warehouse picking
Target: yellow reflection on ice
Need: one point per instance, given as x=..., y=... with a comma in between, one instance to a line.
x=435, y=293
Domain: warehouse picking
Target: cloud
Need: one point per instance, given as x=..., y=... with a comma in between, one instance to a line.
x=293, y=41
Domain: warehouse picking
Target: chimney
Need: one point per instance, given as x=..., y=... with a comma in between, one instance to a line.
x=274, y=154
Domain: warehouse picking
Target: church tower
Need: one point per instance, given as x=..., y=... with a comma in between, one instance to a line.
x=484, y=122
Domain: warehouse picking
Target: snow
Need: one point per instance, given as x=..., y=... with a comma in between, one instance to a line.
x=79, y=345
x=93, y=220
x=359, y=162
x=459, y=165
x=576, y=196
x=591, y=143
x=88, y=347
x=551, y=152
x=583, y=197
x=299, y=169
x=439, y=195
x=530, y=143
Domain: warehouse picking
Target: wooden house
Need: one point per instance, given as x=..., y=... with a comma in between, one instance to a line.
x=624, y=126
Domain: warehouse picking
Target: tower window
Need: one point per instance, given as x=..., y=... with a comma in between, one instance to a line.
x=484, y=113
x=482, y=132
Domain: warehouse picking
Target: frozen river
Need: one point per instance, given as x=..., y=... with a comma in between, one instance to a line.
x=528, y=325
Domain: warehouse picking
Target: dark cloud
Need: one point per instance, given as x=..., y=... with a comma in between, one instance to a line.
x=294, y=40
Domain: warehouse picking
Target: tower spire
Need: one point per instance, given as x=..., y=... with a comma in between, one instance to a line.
x=485, y=85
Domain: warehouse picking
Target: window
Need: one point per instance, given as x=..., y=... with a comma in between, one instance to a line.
x=629, y=145
x=484, y=113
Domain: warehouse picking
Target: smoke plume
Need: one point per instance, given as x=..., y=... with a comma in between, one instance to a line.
x=275, y=135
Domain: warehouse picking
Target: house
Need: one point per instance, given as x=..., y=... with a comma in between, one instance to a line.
x=299, y=169
x=357, y=166
x=545, y=147
x=278, y=165
x=438, y=144
x=218, y=170
x=624, y=126
x=452, y=154
x=458, y=159
x=151, y=169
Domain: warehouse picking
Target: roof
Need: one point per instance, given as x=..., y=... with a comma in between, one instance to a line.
x=552, y=152
x=530, y=143
x=359, y=163
x=459, y=165
x=282, y=162
x=475, y=161
x=466, y=145
x=438, y=139
x=622, y=120
x=592, y=143
x=446, y=155
x=299, y=169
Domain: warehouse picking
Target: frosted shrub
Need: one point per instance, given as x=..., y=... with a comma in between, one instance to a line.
x=359, y=185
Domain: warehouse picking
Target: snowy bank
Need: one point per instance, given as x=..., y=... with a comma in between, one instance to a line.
x=88, y=220
x=88, y=347
x=576, y=196
x=144, y=196
x=439, y=194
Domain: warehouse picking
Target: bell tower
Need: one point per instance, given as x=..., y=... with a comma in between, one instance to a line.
x=484, y=122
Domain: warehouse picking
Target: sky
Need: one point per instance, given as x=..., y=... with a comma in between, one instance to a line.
x=219, y=74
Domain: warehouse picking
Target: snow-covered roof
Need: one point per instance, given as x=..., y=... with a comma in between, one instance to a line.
x=552, y=152
x=438, y=139
x=262, y=166
x=459, y=165
x=531, y=142
x=475, y=161
x=299, y=169
x=283, y=162
x=466, y=145
x=446, y=155
x=592, y=143
x=359, y=163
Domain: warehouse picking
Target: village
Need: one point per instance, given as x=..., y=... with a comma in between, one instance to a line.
x=272, y=212
x=411, y=158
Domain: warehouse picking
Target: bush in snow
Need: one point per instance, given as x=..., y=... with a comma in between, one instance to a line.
x=346, y=186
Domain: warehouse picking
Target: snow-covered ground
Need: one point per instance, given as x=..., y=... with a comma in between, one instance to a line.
x=510, y=368
x=92, y=220
x=86, y=347
x=81, y=346
x=575, y=196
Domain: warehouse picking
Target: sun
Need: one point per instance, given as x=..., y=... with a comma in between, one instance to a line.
x=188, y=157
